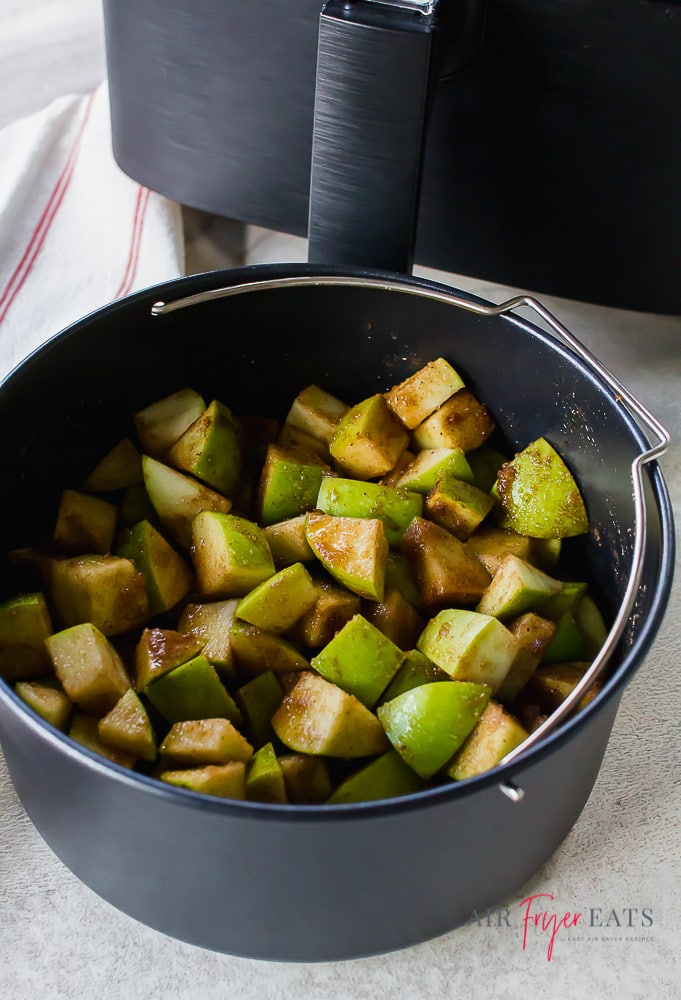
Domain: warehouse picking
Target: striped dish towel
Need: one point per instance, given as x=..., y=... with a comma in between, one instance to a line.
x=75, y=231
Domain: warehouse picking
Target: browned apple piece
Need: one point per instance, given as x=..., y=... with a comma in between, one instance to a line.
x=196, y=742
x=462, y=422
x=288, y=542
x=88, y=667
x=496, y=733
x=226, y=781
x=106, y=590
x=127, y=727
x=316, y=412
x=120, y=468
x=84, y=730
x=369, y=439
x=534, y=635
x=25, y=624
x=447, y=573
x=491, y=545
x=160, y=424
x=395, y=617
x=354, y=550
x=209, y=623
x=48, y=699
x=418, y=396
x=159, y=651
x=457, y=506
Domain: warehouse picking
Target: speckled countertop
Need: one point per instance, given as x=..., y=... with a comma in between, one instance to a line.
x=620, y=864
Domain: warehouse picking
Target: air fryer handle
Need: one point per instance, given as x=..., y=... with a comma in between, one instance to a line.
x=375, y=76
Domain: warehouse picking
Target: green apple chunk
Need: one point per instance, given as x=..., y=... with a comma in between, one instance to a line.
x=386, y=777
x=168, y=577
x=48, y=699
x=360, y=660
x=84, y=524
x=469, y=646
x=289, y=483
x=369, y=439
x=495, y=734
x=258, y=700
x=256, y=651
x=591, y=625
x=418, y=396
x=210, y=450
x=226, y=781
x=307, y=778
x=196, y=742
x=333, y=608
x=567, y=599
x=538, y=494
x=484, y=463
x=106, y=590
x=292, y=437
x=25, y=624
x=84, y=729
x=317, y=717
x=230, y=553
x=457, y=506
x=462, y=422
x=288, y=542
x=210, y=625
x=415, y=671
x=428, y=724
x=127, y=727
x=192, y=691
x=567, y=643
x=178, y=498
x=265, y=778
x=517, y=586
x=446, y=571
x=136, y=506
x=316, y=412
x=349, y=498
x=534, y=635
x=277, y=603
x=160, y=424
x=117, y=470
x=354, y=550
x=491, y=545
x=159, y=651
x=395, y=617
x=428, y=465
x=88, y=667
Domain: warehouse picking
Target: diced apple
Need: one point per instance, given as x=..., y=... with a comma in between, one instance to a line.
x=349, y=498
x=430, y=464
x=160, y=424
x=88, y=667
x=120, y=468
x=462, y=422
x=84, y=730
x=360, y=660
x=168, y=577
x=386, y=777
x=84, y=524
x=457, y=506
x=230, y=553
x=354, y=550
x=289, y=483
x=196, y=742
x=316, y=412
x=226, y=781
x=495, y=734
x=159, y=651
x=446, y=571
x=210, y=450
x=517, y=586
x=127, y=727
x=210, y=623
x=106, y=590
x=278, y=602
x=256, y=651
x=25, y=624
x=48, y=699
x=369, y=439
x=288, y=542
x=178, y=498
x=395, y=617
x=192, y=691
x=265, y=778
x=418, y=396
x=469, y=646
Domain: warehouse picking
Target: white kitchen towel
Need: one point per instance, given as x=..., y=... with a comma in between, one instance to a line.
x=75, y=231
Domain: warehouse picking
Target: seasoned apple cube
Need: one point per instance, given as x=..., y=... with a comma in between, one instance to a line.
x=84, y=524
x=349, y=498
x=209, y=449
x=386, y=777
x=539, y=496
x=88, y=667
x=428, y=724
x=360, y=660
x=445, y=570
x=517, y=586
x=159, y=651
x=106, y=590
x=192, y=691
x=491, y=545
x=84, y=730
x=567, y=643
x=168, y=577
x=457, y=506
x=317, y=717
x=306, y=778
x=265, y=778
x=160, y=424
x=256, y=651
x=24, y=625
x=226, y=781
x=496, y=733
x=462, y=422
x=288, y=542
x=395, y=617
x=178, y=498
x=354, y=550
x=277, y=603
x=230, y=553
x=418, y=396
x=567, y=599
x=430, y=464
x=48, y=699
x=534, y=635
x=550, y=685
x=127, y=727
x=369, y=439
x=292, y=437
x=196, y=742
x=258, y=700
x=469, y=646
x=289, y=483
x=316, y=412
x=416, y=670
x=120, y=468
x=209, y=624
x=333, y=608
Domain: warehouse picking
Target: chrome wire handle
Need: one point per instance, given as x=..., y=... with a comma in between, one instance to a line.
x=652, y=426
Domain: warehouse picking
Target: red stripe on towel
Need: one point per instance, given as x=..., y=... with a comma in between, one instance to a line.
x=23, y=268
x=135, y=242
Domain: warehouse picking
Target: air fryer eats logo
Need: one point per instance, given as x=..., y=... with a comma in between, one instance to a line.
x=542, y=921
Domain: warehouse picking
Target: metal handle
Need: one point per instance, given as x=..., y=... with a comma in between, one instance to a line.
x=651, y=425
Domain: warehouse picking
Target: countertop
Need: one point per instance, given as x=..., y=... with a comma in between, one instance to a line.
x=620, y=864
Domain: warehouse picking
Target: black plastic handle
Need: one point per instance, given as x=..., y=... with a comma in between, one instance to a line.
x=375, y=76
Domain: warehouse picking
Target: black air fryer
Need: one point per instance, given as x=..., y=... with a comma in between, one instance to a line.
x=535, y=143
